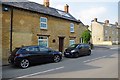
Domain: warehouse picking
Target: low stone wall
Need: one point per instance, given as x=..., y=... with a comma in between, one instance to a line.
x=103, y=43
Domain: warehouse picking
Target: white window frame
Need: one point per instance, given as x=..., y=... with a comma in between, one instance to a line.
x=43, y=23
x=72, y=40
x=43, y=39
x=72, y=27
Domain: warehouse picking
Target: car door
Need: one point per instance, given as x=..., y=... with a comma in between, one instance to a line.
x=34, y=54
x=81, y=49
x=86, y=47
x=45, y=54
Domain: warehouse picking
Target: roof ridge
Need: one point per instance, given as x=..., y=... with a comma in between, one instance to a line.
x=37, y=7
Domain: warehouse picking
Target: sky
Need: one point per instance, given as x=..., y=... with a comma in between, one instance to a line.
x=86, y=10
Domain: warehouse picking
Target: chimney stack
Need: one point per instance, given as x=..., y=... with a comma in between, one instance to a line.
x=46, y=3
x=66, y=8
x=106, y=21
x=116, y=23
x=95, y=19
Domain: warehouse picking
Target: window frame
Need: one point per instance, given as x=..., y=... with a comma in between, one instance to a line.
x=72, y=27
x=43, y=39
x=43, y=23
x=72, y=42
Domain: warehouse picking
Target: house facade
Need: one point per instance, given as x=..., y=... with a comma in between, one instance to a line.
x=104, y=33
x=29, y=23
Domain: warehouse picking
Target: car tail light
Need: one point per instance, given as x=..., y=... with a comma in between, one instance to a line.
x=17, y=54
x=20, y=55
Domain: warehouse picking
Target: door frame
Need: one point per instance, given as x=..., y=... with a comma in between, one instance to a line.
x=61, y=44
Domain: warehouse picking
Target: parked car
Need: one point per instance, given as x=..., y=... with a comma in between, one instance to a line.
x=27, y=55
x=76, y=50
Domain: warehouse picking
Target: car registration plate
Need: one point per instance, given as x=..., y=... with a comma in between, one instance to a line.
x=67, y=53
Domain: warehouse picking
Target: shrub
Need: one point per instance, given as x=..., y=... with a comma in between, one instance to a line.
x=86, y=36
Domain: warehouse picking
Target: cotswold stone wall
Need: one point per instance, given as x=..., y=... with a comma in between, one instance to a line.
x=26, y=28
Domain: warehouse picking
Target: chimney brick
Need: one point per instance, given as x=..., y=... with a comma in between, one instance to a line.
x=107, y=21
x=95, y=19
x=116, y=23
x=66, y=8
x=46, y=3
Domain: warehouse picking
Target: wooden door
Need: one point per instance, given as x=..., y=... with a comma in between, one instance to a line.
x=61, y=44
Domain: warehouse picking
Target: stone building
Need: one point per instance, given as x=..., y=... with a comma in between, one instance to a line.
x=30, y=23
x=104, y=33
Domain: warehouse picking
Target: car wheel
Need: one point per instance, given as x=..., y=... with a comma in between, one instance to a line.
x=89, y=53
x=24, y=63
x=76, y=55
x=56, y=58
x=65, y=56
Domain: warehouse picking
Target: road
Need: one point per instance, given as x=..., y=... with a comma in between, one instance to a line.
x=102, y=63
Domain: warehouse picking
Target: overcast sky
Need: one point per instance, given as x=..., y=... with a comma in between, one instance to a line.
x=86, y=10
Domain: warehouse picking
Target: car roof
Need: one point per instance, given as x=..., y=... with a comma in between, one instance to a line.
x=33, y=46
x=81, y=44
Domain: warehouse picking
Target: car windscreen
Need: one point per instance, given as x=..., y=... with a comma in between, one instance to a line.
x=15, y=50
x=73, y=46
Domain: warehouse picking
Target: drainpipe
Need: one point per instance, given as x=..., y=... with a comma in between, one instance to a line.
x=11, y=28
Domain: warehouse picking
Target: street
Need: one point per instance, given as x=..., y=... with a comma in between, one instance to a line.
x=102, y=63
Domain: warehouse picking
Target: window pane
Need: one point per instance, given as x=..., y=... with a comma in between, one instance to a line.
x=43, y=41
x=72, y=42
x=43, y=25
x=71, y=27
x=43, y=19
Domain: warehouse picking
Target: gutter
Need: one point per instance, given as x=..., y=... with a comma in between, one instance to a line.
x=11, y=28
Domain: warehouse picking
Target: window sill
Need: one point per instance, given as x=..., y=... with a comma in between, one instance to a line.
x=43, y=29
x=72, y=32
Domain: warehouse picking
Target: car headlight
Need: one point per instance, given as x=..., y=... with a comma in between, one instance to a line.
x=60, y=52
x=73, y=51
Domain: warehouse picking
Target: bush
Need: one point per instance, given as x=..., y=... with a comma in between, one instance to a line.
x=86, y=36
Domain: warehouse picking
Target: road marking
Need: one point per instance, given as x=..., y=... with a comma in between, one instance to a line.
x=41, y=72
x=114, y=48
x=94, y=59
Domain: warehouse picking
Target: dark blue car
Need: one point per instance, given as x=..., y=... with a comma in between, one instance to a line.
x=27, y=55
x=76, y=50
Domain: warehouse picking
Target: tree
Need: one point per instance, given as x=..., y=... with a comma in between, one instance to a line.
x=86, y=36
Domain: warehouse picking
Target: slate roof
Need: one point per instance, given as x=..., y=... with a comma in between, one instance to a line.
x=113, y=25
x=35, y=7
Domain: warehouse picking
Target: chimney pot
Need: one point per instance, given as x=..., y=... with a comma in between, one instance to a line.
x=66, y=8
x=116, y=23
x=107, y=21
x=46, y=3
x=95, y=19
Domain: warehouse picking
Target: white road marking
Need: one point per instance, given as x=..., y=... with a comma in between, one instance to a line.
x=94, y=59
x=41, y=72
x=114, y=48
